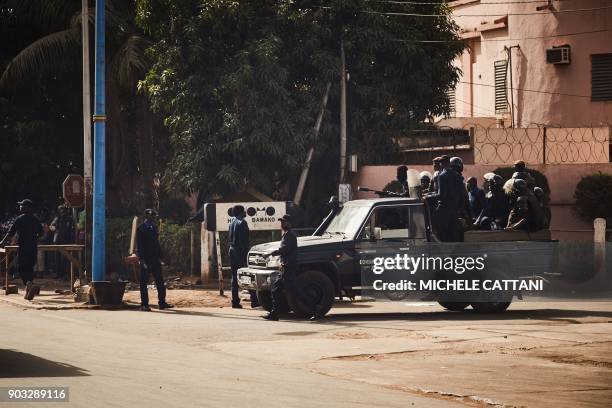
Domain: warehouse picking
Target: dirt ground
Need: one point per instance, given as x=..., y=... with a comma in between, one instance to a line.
x=183, y=297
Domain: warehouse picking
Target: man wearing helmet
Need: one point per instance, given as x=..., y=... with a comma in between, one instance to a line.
x=494, y=215
x=520, y=172
x=525, y=213
x=466, y=217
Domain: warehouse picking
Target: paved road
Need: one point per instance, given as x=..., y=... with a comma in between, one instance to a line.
x=362, y=355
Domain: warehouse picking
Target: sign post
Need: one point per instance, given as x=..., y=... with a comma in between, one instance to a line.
x=73, y=189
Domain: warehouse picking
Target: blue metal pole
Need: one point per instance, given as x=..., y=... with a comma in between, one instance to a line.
x=99, y=176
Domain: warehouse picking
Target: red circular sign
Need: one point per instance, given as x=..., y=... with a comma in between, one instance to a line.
x=73, y=190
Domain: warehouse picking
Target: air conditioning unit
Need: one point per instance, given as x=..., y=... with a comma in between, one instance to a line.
x=558, y=55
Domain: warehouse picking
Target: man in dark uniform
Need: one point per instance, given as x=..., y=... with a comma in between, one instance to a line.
x=433, y=184
x=494, y=215
x=238, y=252
x=63, y=233
x=447, y=202
x=402, y=177
x=476, y=197
x=150, y=255
x=466, y=216
x=526, y=212
x=28, y=230
x=289, y=269
x=520, y=172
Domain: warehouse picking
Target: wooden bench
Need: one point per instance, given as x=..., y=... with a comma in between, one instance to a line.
x=72, y=252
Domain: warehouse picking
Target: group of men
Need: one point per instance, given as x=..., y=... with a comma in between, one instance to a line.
x=29, y=230
x=458, y=205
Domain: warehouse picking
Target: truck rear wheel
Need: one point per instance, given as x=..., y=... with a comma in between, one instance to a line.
x=265, y=300
x=315, y=287
x=454, y=306
x=490, y=307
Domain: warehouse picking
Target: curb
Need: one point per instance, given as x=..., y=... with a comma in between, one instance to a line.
x=37, y=306
x=25, y=304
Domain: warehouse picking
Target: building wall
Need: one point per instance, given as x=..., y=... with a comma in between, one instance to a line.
x=562, y=92
x=562, y=180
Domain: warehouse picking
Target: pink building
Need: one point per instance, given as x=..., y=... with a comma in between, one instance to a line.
x=534, y=62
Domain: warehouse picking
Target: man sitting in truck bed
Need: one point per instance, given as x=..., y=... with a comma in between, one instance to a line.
x=526, y=213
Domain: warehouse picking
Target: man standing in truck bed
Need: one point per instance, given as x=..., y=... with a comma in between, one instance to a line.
x=289, y=270
x=447, y=202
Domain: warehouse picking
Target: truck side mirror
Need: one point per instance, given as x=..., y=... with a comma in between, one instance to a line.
x=377, y=233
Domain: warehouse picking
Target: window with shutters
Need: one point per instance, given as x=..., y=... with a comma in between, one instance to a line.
x=452, y=104
x=501, y=89
x=601, y=77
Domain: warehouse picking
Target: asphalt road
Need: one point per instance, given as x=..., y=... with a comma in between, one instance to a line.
x=363, y=355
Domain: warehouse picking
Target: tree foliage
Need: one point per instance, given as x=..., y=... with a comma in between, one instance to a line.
x=240, y=83
x=593, y=197
x=40, y=81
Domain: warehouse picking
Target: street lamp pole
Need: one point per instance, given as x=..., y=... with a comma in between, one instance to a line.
x=99, y=117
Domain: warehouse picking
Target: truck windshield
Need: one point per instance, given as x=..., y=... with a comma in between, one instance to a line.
x=348, y=221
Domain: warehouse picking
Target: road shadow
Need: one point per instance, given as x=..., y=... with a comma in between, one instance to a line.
x=15, y=364
x=468, y=315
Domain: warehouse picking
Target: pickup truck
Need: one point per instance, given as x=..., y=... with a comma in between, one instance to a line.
x=337, y=261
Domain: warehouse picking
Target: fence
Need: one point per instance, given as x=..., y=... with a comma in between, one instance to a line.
x=541, y=145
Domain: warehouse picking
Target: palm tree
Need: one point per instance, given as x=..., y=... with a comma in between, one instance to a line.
x=58, y=49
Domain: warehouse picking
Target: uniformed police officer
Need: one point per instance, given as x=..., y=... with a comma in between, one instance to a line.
x=289, y=268
x=28, y=229
x=238, y=250
x=402, y=177
x=448, y=201
x=150, y=255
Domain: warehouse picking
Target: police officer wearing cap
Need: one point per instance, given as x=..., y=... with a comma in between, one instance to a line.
x=289, y=269
x=447, y=202
x=28, y=229
x=150, y=255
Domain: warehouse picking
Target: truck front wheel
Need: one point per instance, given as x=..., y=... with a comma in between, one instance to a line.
x=315, y=288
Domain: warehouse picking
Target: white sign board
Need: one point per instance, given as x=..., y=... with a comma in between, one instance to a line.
x=260, y=215
x=344, y=193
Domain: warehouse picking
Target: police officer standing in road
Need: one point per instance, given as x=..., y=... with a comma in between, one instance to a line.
x=289, y=269
x=150, y=255
x=238, y=252
x=28, y=229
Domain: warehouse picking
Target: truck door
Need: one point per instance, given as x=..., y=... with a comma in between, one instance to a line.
x=391, y=230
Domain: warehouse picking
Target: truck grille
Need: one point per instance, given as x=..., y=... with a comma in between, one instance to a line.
x=257, y=260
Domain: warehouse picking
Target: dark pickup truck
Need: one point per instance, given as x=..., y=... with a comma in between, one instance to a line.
x=335, y=262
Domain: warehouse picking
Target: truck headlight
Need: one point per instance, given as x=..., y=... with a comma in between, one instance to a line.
x=273, y=262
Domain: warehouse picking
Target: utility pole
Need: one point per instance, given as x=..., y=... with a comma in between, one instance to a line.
x=99, y=181
x=302, y=183
x=87, y=169
x=342, y=114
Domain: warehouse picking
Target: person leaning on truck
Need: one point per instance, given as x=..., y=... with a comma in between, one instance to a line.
x=150, y=255
x=289, y=269
x=28, y=229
